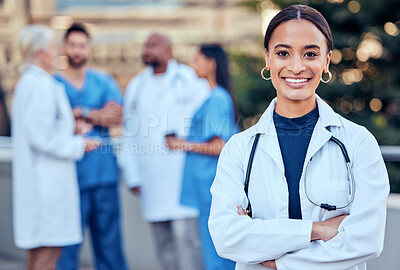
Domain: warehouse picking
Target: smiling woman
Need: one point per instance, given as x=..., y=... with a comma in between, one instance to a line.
x=297, y=54
x=308, y=172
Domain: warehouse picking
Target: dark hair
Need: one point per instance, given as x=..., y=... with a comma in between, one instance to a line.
x=223, y=76
x=300, y=12
x=76, y=27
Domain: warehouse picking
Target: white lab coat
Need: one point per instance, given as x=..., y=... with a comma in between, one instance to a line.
x=154, y=106
x=45, y=189
x=270, y=234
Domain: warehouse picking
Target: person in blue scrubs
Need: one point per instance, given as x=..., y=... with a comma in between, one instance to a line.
x=212, y=126
x=96, y=99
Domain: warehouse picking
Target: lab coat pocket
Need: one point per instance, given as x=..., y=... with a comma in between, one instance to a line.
x=338, y=192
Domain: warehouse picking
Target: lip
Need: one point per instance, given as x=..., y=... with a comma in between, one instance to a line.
x=296, y=82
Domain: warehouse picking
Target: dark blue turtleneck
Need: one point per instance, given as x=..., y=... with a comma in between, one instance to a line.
x=294, y=135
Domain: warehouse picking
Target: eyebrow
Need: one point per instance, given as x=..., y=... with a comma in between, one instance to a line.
x=312, y=46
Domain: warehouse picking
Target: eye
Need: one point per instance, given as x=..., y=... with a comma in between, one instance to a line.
x=282, y=53
x=310, y=54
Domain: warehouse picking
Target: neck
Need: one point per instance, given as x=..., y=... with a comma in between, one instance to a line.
x=42, y=66
x=76, y=72
x=294, y=108
x=160, y=68
x=212, y=80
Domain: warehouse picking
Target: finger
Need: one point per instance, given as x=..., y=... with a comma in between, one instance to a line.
x=241, y=211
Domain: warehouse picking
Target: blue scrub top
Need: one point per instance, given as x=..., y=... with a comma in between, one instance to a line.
x=98, y=167
x=215, y=118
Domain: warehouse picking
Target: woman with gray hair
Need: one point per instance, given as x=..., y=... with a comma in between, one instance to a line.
x=45, y=191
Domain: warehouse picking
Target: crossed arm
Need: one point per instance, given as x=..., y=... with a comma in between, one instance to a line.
x=323, y=230
x=287, y=244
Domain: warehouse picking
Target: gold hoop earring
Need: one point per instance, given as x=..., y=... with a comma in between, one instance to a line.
x=262, y=74
x=329, y=79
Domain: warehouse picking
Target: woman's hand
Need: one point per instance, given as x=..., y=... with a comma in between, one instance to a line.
x=77, y=112
x=241, y=211
x=175, y=143
x=269, y=264
x=82, y=127
x=323, y=230
x=91, y=144
x=326, y=230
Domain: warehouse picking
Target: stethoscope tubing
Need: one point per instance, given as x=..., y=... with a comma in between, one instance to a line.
x=325, y=206
x=349, y=171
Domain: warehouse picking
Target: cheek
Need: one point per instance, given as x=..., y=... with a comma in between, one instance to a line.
x=317, y=67
x=86, y=50
x=276, y=68
x=199, y=68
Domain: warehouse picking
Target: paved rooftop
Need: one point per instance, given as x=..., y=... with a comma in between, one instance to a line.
x=6, y=264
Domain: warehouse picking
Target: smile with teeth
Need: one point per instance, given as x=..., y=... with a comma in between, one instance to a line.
x=293, y=80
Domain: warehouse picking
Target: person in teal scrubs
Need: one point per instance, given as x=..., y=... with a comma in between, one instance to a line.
x=212, y=126
x=96, y=99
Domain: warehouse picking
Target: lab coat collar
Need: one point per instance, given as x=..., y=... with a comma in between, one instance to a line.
x=265, y=126
x=171, y=67
x=40, y=72
x=327, y=118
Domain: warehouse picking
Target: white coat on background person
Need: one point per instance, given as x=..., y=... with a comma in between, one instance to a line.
x=161, y=100
x=155, y=106
x=46, y=213
x=270, y=234
x=46, y=202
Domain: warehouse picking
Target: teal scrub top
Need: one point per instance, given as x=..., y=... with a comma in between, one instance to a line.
x=98, y=167
x=215, y=118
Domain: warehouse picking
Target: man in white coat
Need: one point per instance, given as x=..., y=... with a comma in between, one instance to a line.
x=161, y=100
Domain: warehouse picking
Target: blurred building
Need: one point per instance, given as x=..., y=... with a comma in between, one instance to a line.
x=119, y=28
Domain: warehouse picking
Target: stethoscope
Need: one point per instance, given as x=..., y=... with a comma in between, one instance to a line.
x=325, y=206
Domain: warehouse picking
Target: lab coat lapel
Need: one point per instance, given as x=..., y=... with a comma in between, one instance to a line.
x=269, y=140
x=269, y=144
x=170, y=77
x=321, y=135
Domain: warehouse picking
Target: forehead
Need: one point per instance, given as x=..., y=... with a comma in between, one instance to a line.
x=156, y=40
x=76, y=36
x=297, y=33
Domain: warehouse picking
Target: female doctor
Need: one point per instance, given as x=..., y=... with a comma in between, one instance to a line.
x=45, y=190
x=317, y=182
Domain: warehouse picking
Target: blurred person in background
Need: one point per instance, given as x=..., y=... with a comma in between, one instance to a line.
x=160, y=101
x=45, y=188
x=212, y=126
x=4, y=116
x=96, y=99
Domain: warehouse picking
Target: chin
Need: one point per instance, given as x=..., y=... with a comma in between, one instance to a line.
x=296, y=95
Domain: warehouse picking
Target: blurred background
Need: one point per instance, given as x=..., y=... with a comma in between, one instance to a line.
x=365, y=64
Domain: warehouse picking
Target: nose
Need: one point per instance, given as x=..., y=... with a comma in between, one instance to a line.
x=296, y=64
